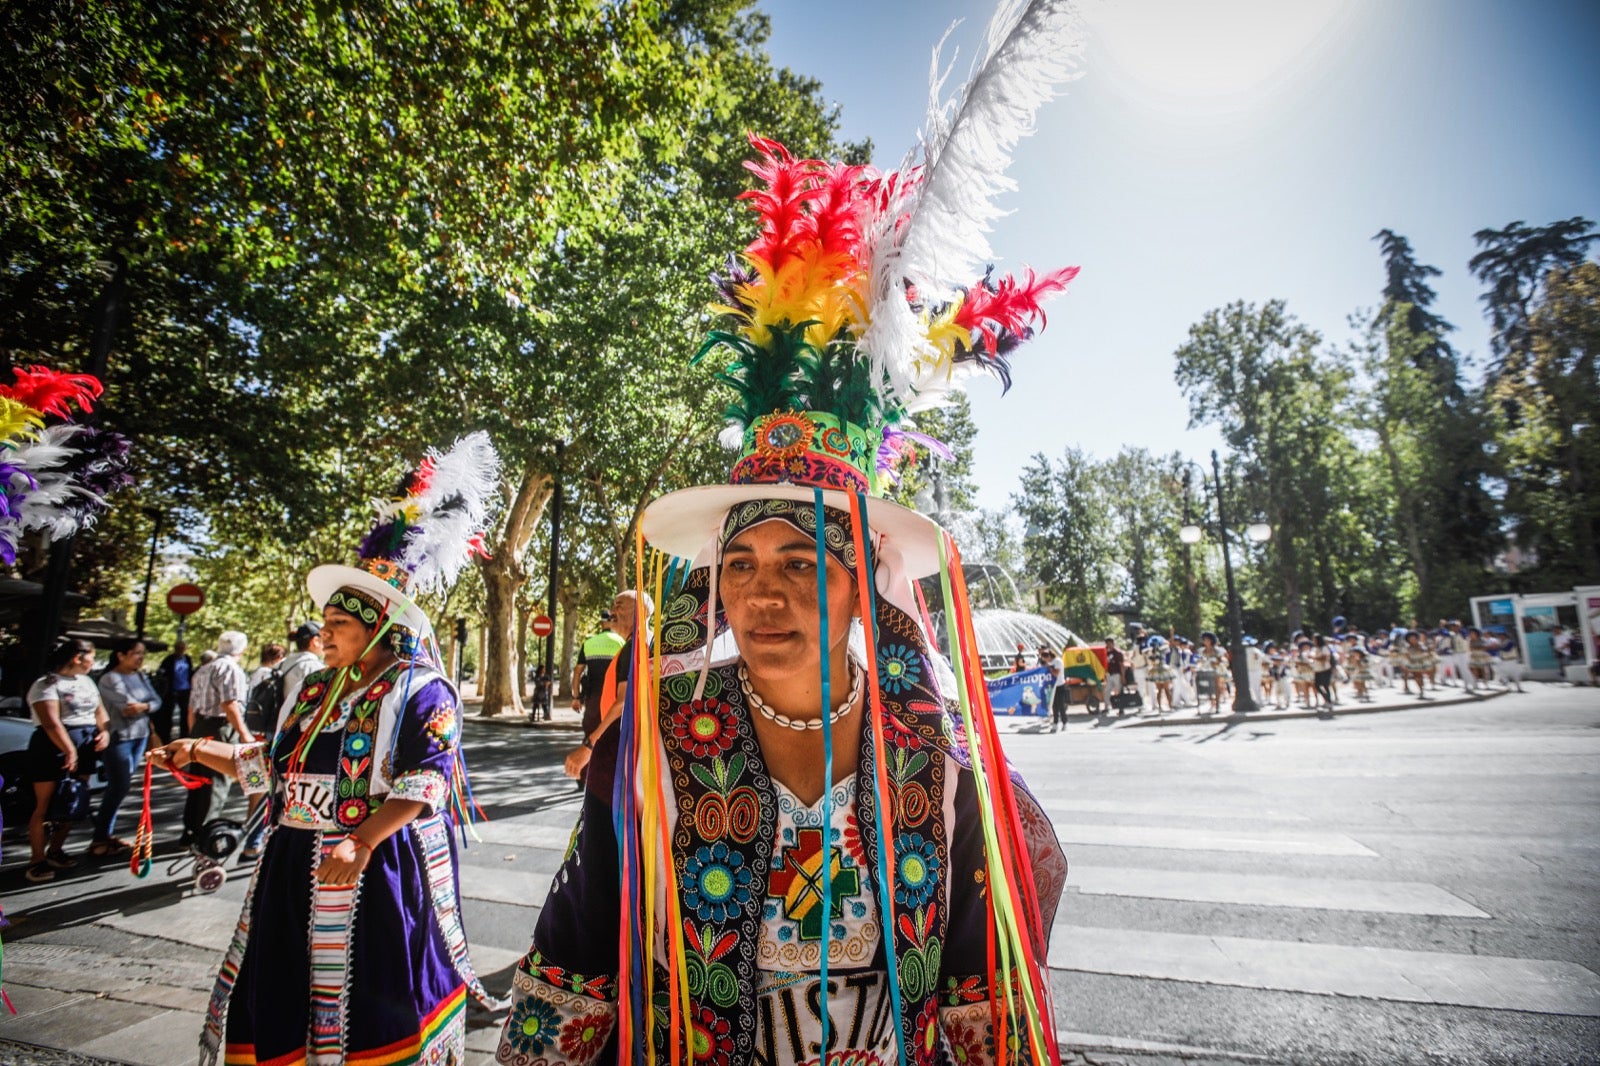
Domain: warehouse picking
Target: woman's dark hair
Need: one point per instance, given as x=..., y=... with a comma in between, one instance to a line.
x=123, y=648
x=66, y=650
x=1318, y=641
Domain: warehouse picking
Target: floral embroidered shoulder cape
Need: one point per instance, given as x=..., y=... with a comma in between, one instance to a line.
x=722, y=812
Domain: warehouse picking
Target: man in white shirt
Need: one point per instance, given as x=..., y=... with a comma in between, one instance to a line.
x=216, y=709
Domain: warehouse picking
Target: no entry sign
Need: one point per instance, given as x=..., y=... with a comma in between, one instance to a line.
x=542, y=626
x=186, y=599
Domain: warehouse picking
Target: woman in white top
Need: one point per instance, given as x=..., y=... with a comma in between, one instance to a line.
x=73, y=728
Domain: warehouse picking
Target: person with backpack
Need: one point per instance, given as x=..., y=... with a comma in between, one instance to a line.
x=306, y=659
x=261, y=715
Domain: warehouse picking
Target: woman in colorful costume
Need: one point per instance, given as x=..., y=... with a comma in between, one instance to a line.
x=350, y=947
x=804, y=834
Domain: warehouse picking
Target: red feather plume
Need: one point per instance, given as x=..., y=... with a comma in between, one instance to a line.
x=790, y=188
x=1008, y=306
x=52, y=392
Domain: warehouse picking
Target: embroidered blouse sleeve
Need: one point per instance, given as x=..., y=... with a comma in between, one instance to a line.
x=250, y=767
x=425, y=746
x=564, y=991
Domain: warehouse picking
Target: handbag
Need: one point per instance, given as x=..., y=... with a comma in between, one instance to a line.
x=71, y=801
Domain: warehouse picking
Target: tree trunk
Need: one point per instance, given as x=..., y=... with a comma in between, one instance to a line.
x=521, y=668
x=504, y=573
x=569, y=630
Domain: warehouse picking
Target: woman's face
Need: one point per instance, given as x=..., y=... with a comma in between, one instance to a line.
x=344, y=638
x=132, y=659
x=768, y=585
x=80, y=663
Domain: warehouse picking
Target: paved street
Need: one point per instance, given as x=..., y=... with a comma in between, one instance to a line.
x=1408, y=887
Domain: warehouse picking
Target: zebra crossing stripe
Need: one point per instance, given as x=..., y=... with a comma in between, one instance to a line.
x=1264, y=890
x=1485, y=981
x=1169, y=838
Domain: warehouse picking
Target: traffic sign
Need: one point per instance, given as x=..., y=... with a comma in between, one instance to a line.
x=543, y=626
x=186, y=598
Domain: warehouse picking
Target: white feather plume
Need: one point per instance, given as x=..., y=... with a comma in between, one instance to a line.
x=467, y=478
x=1029, y=52
x=50, y=450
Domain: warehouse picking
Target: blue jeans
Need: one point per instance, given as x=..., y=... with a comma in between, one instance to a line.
x=117, y=763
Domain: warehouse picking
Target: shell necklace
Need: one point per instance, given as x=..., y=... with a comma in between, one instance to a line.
x=802, y=725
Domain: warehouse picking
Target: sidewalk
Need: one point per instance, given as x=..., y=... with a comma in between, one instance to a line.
x=1382, y=700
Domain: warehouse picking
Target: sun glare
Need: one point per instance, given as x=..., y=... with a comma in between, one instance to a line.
x=1213, y=56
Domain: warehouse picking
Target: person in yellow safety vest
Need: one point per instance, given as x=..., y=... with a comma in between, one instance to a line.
x=594, y=660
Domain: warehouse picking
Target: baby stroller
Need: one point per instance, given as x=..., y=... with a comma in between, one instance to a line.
x=217, y=842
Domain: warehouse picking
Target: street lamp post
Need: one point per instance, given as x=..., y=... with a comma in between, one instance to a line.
x=1258, y=531
x=149, y=572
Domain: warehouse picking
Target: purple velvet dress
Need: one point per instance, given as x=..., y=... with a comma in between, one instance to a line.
x=372, y=973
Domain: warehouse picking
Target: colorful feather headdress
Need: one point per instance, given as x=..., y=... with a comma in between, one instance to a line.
x=424, y=536
x=864, y=298
x=862, y=301
x=55, y=475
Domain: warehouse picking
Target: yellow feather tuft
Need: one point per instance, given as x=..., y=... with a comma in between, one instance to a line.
x=18, y=420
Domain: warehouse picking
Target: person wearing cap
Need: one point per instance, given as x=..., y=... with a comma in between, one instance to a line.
x=305, y=660
x=783, y=846
x=1056, y=697
x=1158, y=656
x=350, y=947
x=1211, y=659
x=216, y=711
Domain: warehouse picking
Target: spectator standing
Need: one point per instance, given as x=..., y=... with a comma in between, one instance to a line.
x=174, y=679
x=130, y=699
x=1183, y=669
x=216, y=711
x=1116, y=663
x=594, y=658
x=1255, y=668
x=1508, y=662
x=271, y=660
x=1158, y=662
x=1322, y=664
x=1213, y=661
x=304, y=660
x=1019, y=661
x=1460, y=644
x=71, y=731
x=1419, y=663
x=613, y=692
x=1055, y=699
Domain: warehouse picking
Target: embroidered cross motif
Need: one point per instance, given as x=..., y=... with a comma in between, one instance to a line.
x=796, y=878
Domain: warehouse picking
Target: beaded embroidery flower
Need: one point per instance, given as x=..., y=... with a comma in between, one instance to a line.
x=966, y=1044
x=584, y=1036
x=927, y=1032
x=712, y=1039
x=704, y=728
x=916, y=870
x=899, y=668
x=534, y=1025
x=716, y=882
x=353, y=810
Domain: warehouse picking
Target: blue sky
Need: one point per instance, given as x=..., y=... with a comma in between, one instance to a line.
x=1237, y=149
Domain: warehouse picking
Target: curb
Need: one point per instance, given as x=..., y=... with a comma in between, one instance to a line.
x=1281, y=716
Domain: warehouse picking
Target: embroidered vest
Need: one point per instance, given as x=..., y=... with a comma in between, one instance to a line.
x=367, y=734
x=722, y=849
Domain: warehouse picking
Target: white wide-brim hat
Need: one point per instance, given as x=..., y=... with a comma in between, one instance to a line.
x=324, y=581
x=683, y=523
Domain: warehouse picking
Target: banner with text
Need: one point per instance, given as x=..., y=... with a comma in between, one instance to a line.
x=1022, y=694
